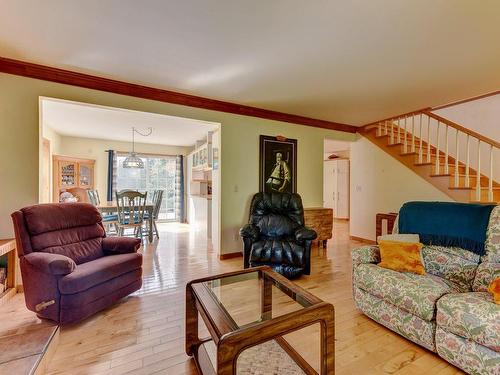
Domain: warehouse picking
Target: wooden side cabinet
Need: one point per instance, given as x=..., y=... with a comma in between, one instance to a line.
x=321, y=220
x=73, y=175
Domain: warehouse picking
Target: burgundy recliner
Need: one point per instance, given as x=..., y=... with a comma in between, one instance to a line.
x=70, y=269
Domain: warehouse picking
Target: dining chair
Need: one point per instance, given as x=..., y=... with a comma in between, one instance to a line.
x=131, y=211
x=109, y=220
x=94, y=197
x=157, y=200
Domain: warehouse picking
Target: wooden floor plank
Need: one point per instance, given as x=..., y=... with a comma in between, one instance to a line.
x=143, y=334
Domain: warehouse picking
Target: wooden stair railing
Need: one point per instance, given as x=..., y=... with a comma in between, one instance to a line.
x=426, y=136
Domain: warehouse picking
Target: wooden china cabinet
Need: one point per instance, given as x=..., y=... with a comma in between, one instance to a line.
x=73, y=175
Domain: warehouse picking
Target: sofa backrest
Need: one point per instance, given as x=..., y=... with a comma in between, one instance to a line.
x=489, y=269
x=465, y=268
x=277, y=214
x=71, y=229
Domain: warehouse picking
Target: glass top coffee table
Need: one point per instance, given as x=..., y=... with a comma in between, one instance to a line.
x=247, y=313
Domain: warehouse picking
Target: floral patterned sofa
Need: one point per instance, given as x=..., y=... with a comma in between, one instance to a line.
x=448, y=310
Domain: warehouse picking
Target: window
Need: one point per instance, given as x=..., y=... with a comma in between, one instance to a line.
x=158, y=174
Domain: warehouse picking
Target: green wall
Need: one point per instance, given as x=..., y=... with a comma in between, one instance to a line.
x=19, y=154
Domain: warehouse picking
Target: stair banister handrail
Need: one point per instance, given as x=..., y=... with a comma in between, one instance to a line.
x=472, y=133
x=386, y=128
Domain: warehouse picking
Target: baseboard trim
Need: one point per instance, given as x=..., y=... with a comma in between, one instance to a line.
x=230, y=255
x=360, y=239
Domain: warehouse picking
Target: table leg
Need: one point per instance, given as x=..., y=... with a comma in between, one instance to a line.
x=150, y=232
x=327, y=342
x=266, y=309
x=192, y=339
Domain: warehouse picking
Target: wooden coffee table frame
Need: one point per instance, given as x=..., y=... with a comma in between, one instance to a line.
x=230, y=342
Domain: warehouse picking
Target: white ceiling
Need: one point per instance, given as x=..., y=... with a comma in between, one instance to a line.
x=90, y=121
x=347, y=61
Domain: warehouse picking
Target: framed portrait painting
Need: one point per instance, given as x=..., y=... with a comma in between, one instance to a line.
x=278, y=164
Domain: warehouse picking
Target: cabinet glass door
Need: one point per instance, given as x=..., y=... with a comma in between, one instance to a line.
x=68, y=174
x=85, y=176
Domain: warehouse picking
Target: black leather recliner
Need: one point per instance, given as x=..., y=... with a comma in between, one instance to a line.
x=276, y=235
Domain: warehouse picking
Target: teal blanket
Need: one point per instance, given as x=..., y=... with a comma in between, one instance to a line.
x=447, y=224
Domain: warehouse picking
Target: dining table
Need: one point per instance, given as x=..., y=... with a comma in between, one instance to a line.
x=110, y=207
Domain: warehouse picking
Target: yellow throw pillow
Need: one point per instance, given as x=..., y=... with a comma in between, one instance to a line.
x=401, y=256
x=494, y=289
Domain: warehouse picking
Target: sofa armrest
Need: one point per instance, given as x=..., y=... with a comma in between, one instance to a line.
x=120, y=245
x=365, y=254
x=250, y=231
x=52, y=264
x=305, y=234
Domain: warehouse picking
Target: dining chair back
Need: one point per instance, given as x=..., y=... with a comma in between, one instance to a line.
x=131, y=210
x=94, y=197
x=157, y=201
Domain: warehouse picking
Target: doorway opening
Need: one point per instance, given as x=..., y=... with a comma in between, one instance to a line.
x=336, y=178
x=83, y=148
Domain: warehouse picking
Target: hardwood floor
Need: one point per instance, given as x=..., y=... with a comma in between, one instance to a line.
x=144, y=333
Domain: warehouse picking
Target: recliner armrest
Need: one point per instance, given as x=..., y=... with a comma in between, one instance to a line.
x=52, y=264
x=250, y=231
x=305, y=234
x=120, y=245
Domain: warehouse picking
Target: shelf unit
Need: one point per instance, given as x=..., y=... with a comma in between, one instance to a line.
x=8, y=249
x=74, y=175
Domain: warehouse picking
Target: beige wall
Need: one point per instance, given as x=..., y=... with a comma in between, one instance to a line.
x=19, y=132
x=89, y=148
x=55, y=149
x=380, y=183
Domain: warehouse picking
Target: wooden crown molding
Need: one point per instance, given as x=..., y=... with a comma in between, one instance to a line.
x=47, y=73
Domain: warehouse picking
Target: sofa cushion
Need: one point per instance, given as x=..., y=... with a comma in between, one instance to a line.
x=466, y=354
x=408, y=325
x=451, y=263
x=416, y=294
x=485, y=274
x=92, y=273
x=473, y=316
x=401, y=256
x=271, y=251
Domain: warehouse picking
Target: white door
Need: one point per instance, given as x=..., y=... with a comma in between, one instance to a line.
x=342, y=190
x=329, y=183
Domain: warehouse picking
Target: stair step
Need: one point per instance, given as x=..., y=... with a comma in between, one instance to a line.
x=472, y=181
x=441, y=175
x=394, y=144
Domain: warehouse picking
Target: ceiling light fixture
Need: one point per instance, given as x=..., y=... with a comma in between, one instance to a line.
x=133, y=161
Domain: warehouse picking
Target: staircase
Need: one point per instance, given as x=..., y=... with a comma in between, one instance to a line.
x=442, y=152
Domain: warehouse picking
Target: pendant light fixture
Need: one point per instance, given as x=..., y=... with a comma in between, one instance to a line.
x=133, y=161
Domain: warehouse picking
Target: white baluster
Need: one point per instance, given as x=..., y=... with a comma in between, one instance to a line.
x=392, y=132
x=399, y=131
x=446, y=166
x=428, y=139
x=457, y=154
x=405, y=143
x=438, y=166
x=467, y=162
x=478, y=173
x=420, y=151
x=385, y=123
x=413, y=133
x=490, y=181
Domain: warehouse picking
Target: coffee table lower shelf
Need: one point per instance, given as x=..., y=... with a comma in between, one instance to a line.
x=270, y=357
